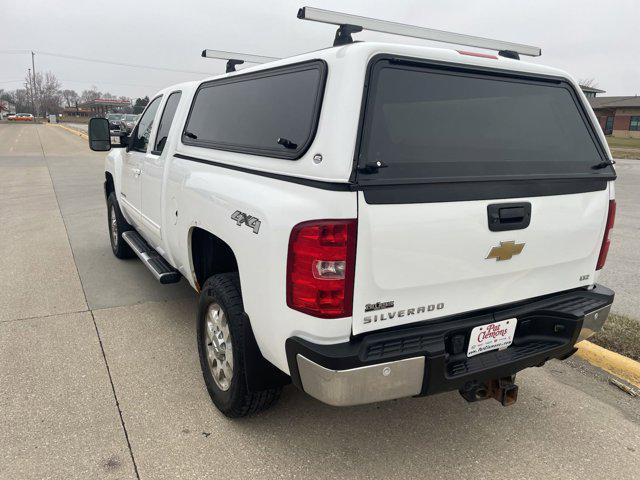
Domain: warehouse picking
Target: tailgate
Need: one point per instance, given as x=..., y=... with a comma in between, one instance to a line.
x=418, y=262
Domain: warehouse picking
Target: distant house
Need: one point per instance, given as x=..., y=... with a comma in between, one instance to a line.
x=6, y=108
x=591, y=92
x=618, y=116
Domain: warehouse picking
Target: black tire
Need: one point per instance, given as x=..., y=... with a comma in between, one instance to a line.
x=236, y=400
x=119, y=247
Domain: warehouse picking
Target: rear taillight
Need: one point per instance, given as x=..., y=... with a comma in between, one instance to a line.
x=606, y=241
x=476, y=54
x=321, y=266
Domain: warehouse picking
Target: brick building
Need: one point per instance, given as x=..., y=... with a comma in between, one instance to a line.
x=618, y=116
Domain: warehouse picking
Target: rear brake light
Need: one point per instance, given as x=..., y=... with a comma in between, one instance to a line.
x=321, y=267
x=477, y=54
x=606, y=241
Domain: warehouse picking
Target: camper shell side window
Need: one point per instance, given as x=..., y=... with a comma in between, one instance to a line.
x=273, y=113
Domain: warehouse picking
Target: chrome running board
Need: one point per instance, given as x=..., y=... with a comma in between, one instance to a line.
x=160, y=268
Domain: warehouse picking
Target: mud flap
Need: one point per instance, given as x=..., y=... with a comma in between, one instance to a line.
x=261, y=374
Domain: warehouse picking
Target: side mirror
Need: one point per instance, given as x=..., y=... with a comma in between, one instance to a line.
x=99, y=138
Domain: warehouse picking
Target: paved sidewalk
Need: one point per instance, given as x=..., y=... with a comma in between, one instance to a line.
x=57, y=409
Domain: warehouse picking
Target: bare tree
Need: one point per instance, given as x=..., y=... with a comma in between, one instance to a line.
x=7, y=96
x=30, y=93
x=44, y=92
x=588, y=82
x=49, y=96
x=70, y=97
x=2, y=100
x=90, y=95
x=48, y=92
x=20, y=98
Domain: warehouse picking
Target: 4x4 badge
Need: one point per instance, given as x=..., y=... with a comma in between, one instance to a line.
x=505, y=251
x=251, y=222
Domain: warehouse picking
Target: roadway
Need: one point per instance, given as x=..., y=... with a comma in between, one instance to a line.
x=99, y=373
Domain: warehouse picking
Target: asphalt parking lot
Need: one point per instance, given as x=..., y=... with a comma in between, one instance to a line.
x=99, y=374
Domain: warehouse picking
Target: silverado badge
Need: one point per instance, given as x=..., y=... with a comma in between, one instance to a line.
x=505, y=251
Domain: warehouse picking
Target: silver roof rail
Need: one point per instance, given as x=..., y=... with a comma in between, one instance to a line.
x=234, y=58
x=349, y=24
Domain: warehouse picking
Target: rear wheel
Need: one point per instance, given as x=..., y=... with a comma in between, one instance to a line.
x=117, y=226
x=222, y=328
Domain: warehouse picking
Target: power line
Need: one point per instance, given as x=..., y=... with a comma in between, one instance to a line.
x=119, y=64
x=107, y=62
x=96, y=60
x=93, y=82
x=90, y=82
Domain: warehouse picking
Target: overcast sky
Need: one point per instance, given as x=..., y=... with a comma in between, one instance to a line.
x=589, y=38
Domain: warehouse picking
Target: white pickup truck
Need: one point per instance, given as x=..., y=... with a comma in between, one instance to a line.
x=371, y=221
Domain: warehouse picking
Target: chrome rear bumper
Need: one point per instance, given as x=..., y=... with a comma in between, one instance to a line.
x=432, y=357
x=373, y=383
x=593, y=322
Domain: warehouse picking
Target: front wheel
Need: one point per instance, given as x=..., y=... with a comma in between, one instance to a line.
x=222, y=328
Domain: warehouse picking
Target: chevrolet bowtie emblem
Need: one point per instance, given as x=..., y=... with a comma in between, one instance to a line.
x=505, y=251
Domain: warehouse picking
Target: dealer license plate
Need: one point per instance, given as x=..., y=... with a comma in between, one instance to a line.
x=493, y=336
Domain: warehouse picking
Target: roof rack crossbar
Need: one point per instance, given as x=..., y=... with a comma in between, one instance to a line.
x=234, y=58
x=395, y=28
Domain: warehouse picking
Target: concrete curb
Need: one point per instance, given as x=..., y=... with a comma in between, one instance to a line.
x=72, y=130
x=614, y=363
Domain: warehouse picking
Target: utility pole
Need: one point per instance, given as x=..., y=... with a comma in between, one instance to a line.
x=33, y=102
x=35, y=93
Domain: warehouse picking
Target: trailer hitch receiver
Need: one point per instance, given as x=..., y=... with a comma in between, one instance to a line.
x=501, y=389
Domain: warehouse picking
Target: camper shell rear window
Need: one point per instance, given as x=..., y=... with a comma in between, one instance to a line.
x=429, y=122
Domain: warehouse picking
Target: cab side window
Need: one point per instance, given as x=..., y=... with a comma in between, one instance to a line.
x=165, y=121
x=145, y=125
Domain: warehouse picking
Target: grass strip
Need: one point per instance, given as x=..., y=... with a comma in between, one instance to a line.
x=620, y=334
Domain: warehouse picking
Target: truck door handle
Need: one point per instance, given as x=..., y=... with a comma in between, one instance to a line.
x=136, y=171
x=508, y=216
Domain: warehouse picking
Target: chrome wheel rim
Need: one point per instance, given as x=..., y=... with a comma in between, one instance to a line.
x=219, y=347
x=113, y=222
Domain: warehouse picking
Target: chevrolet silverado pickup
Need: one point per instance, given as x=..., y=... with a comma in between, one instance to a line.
x=371, y=221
